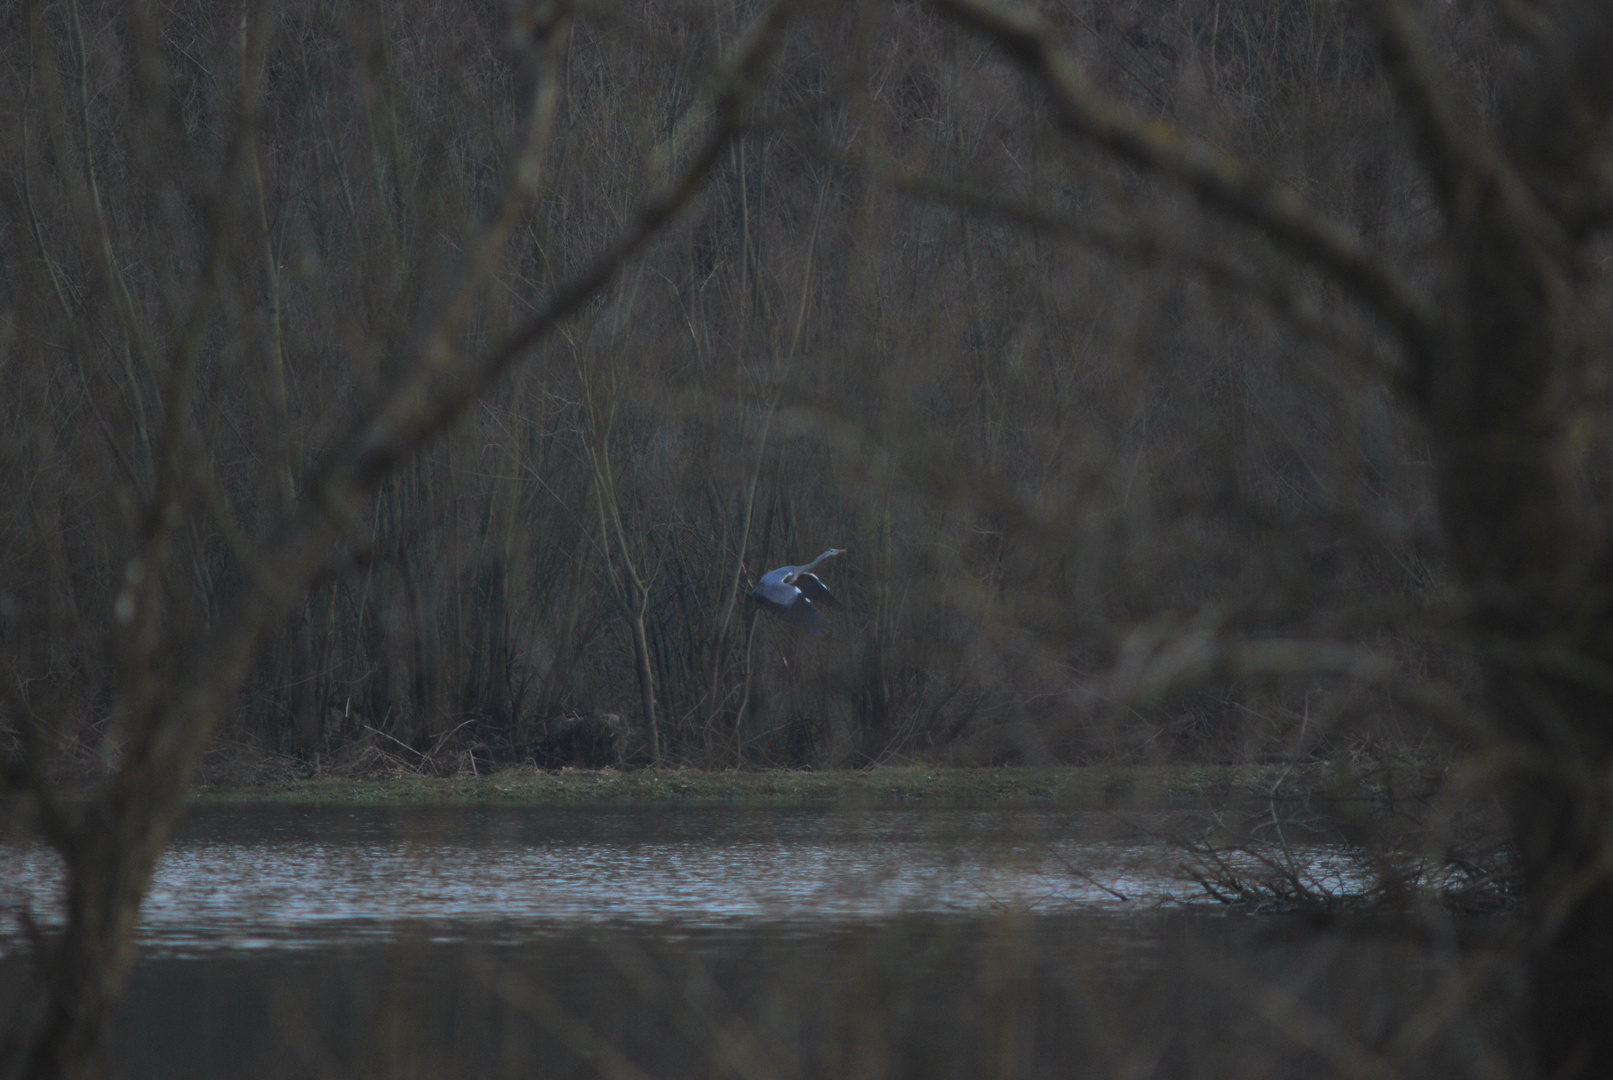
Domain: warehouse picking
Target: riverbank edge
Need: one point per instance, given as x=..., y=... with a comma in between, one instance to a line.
x=1073, y=787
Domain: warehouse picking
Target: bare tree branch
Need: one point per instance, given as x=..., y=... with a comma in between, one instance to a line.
x=1144, y=242
x=427, y=403
x=112, y=854
x=1457, y=150
x=1466, y=164
x=1556, y=131
x=1217, y=177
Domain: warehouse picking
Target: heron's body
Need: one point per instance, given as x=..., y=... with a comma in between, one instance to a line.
x=794, y=594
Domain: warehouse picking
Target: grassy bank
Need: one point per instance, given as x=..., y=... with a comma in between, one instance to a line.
x=1075, y=787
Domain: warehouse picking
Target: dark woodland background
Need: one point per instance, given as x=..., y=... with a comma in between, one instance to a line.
x=1069, y=427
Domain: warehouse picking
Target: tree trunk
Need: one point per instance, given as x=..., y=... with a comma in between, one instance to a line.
x=1519, y=524
x=111, y=853
x=1503, y=387
x=646, y=684
x=1518, y=521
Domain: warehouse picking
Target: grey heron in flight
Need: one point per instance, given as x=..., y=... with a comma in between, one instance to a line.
x=793, y=593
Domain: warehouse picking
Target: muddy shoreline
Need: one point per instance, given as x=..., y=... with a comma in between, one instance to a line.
x=1075, y=787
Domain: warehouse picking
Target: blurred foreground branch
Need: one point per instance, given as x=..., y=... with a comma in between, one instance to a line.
x=111, y=840
x=1223, y=181
x=1499, y=357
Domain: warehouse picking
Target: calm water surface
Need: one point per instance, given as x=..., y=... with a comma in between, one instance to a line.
x=488, y=942
x=256, y=877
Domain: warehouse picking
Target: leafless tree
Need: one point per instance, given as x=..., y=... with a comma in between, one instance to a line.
x=179, y=664
x=1503, y=349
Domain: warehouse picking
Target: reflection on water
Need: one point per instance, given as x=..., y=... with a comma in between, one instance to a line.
x=494, y=942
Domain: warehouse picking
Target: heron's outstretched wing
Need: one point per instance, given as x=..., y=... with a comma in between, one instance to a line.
x=803, y=616
x=775, y=595
x=815, y=590
x=787, y=603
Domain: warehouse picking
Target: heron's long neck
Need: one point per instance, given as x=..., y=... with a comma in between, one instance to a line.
x=807, y=569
